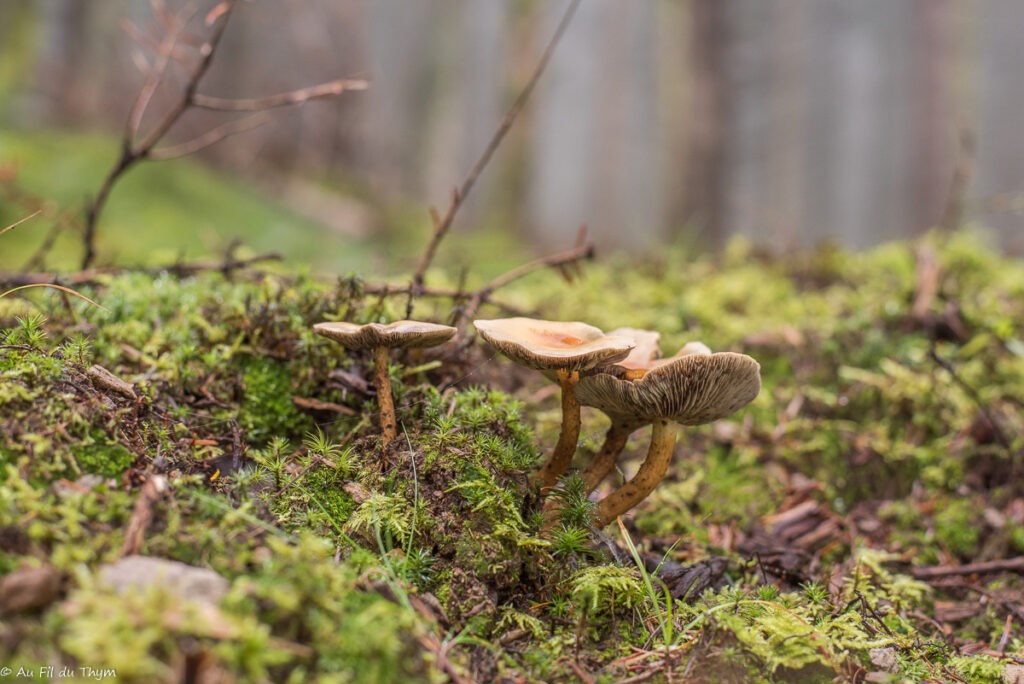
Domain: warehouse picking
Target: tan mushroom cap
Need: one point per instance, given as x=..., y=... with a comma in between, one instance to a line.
x=647, y=349
x=691, y=389
x=554, y=345
x=397, y=335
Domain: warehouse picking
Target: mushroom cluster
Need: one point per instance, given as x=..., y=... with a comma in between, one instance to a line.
x=565, y=349
x=622, y=375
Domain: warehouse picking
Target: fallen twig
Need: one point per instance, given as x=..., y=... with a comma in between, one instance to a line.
x=142, y=515
x=980, y=568
x=1000, y=436
x=94, y=275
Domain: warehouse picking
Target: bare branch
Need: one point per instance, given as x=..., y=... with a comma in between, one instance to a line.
x=174, y=26
x=206, y=52
x=38, y=258
x=558, y=260
x=459, y=195
x=134, y=149
x=18, y=223
x=292, y=97
x=212, y=136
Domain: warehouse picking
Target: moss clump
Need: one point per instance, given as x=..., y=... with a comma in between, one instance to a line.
x=99, y=455
x=266, y=409
x=958, y=528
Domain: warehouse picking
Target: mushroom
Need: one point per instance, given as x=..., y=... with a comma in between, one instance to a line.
x=688, y=389
x=382, y=338
x=565, y=349
x=646, y=351
x=643, y=358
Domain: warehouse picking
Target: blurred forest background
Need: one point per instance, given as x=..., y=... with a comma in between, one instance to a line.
x=790, y=122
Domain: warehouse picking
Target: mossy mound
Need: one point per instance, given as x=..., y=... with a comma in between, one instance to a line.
x=840, y=528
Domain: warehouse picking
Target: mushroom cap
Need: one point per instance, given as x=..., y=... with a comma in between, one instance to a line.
x=397, y=335
x=553, y=345
x=691, y=389
x=647, y=349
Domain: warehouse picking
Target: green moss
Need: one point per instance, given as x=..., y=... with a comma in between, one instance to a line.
x=606, y=589
x=267, y=409
x=979, y=669
x=327, y=539
x=957, y=527
x=99, y=455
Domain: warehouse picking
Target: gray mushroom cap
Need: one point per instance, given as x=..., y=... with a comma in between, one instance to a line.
x=692, y=389
x=553, y=345
x=397, y=335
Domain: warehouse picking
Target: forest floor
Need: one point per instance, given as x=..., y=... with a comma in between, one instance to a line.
x=861, y=521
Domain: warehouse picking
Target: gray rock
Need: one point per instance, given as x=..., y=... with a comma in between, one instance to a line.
x=184, y=581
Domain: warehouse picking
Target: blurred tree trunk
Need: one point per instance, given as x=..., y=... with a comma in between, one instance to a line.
x=705, y=191
x=1000, y=162
x=63, y=53
x=595, y=129
x=933, y=132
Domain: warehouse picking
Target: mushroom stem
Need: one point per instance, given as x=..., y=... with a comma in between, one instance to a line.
x=382, y=383
x=663, y=441
x=604, y=461
x=560, y=459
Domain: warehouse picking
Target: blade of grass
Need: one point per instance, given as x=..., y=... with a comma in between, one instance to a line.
x=664, y=612
x=55, y=287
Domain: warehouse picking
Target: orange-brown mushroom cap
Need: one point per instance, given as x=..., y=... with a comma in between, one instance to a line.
x=646, y=351
x=553, y=345
x=625, y=419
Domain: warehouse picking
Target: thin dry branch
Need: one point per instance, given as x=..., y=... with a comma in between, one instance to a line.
x=38, y=257
x=292, y=97
x=61, y=220
x=980, y=568
x=1001, y=437
x=133, y=151
x=174, y=25
x=210, y=137
x=94, y=275
x=443, y=224
x=18, y=223
x=953, y=212
x=137, y=146
x=558, y=260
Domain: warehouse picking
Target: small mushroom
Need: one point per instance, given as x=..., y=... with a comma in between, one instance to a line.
x=382, y=338
x=565, y=349
x=643, y=358
x=688, y=389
